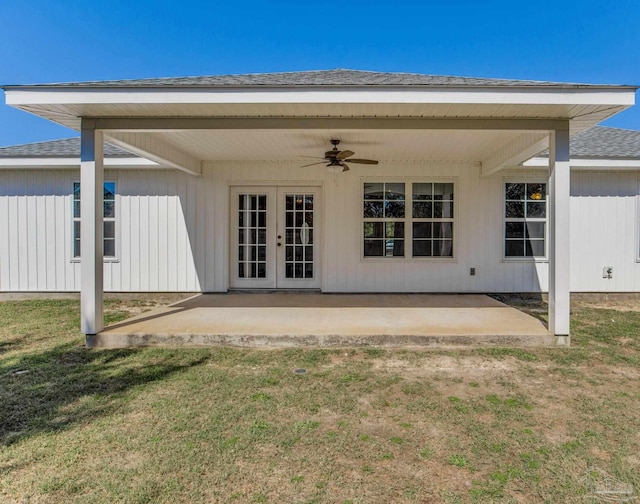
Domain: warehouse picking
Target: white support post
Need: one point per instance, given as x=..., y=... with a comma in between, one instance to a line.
x=91, y=229
x=559, y=235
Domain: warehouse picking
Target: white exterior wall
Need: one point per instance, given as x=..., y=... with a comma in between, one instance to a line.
x=172, y=230
x=161, y=231
x=605, y=226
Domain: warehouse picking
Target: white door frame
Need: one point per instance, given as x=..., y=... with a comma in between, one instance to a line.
x=269, y=258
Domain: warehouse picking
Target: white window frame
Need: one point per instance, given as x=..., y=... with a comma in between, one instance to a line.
x=116, y=234
x=408, y=219
x=503, y=236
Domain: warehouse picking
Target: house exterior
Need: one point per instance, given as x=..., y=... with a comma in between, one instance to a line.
x=200, y=185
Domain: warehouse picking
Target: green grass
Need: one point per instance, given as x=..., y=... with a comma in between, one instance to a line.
x=238, y=425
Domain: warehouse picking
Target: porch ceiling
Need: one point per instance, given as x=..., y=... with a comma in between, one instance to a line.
x=362, y=118
x=297, y=145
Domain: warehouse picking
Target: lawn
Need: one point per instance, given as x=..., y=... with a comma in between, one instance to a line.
x=358, y=426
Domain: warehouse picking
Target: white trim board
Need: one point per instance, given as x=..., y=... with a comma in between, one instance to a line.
x=585, y=164
x=71, y=162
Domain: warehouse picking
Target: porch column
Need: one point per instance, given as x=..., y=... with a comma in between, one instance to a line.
x=91, y=230
x=559, y=256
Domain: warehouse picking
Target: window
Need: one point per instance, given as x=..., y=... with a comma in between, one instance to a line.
x=432, y=211
x=384, y=219
x=109, y=214
x=420, y=214
x=525, y=212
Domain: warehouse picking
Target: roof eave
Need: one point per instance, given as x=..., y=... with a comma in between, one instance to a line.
x=183, y=88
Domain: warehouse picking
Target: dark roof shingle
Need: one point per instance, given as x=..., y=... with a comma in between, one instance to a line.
x=604, y=142
x=596, y=142
x=337, y=77
x=64, y=148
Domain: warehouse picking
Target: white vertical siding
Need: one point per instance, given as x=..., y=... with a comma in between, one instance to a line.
x=156, y=230
x=33, y=231
x=173, y=231
x=604, y=218
x=478, y=225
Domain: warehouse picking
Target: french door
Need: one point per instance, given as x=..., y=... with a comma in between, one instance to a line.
x=274, y=237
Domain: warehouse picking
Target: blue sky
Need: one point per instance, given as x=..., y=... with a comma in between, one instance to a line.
x=69, y=40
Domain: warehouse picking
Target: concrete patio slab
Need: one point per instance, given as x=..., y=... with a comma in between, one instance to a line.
x=333, y=320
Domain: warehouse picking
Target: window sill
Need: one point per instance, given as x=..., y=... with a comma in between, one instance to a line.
x=438, y=260
x=524, y=260
x=106, y=260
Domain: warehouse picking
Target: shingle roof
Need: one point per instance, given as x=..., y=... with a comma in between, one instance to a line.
x=65, y=148
x=603, y=142
x=337, y=77
x=596, y=142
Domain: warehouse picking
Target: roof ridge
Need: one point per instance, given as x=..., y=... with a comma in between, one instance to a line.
x=322, y=77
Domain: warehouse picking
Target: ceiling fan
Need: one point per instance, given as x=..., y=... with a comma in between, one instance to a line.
x=336, y=159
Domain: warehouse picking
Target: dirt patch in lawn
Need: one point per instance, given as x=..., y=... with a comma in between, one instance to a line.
x=360, y=425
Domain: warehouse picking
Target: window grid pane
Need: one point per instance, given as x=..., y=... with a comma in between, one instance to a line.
x=252, y=236
x=384, y=211
x=109, y=221
x=299, y=236
x=433, y=212
x=389, y=214
x=525, y=219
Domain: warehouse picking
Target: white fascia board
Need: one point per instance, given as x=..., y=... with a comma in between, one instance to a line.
x=535, y=96
x=586, y=164
x=61, y=163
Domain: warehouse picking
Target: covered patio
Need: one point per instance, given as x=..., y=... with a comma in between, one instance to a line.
x=294, y=319
x=254, y=131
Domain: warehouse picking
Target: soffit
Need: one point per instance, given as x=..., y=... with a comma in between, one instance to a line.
x=384, y=145
x=581, y=115
x=583, y=108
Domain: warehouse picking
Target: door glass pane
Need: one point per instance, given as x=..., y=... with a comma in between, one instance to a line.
x=109, y=248
x=299, y=225
x=252, y=236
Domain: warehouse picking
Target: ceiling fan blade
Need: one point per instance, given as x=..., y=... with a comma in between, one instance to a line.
x=313, y=164
x=311, y=157
x=345, y=154
x=363, y=161
x=345, y=167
